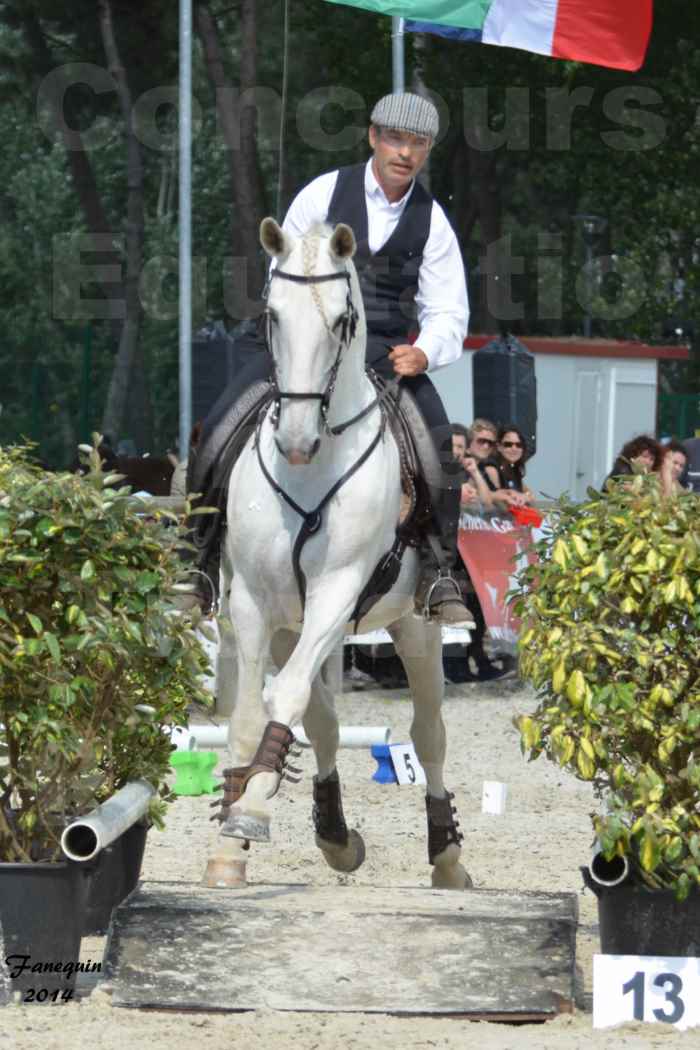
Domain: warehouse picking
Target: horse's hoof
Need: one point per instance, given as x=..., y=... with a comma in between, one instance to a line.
x=224, y=874
x=450, y=877
x=343, y=858
x=246, y=826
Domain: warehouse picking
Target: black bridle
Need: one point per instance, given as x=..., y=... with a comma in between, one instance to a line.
x=347, y=322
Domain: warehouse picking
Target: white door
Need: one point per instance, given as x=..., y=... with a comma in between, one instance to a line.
x=635, y=410
x=587, y=435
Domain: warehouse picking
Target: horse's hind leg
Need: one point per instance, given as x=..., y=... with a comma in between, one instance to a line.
x=419, y=645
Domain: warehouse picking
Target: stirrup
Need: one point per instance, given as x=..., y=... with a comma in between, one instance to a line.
x=442, y=576
x=208, y=603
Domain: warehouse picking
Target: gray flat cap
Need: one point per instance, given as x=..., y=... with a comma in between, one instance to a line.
x=407, y=112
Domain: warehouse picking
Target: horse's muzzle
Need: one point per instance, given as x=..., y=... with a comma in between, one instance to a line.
x=298, y=457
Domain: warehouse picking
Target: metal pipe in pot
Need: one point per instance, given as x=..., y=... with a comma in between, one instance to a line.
x=85, y=837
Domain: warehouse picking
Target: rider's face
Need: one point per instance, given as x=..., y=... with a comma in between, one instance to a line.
x=398, y=157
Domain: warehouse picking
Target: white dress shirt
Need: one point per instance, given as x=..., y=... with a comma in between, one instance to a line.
x=441, y=298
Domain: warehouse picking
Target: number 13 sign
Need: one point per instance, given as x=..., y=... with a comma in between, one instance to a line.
x=645, y=988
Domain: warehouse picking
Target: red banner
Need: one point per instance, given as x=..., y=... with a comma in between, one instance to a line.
x=493, y=550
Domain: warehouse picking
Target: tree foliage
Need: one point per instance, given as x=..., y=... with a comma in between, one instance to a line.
x=93, y=663
x=530, y=143
x=611, y=631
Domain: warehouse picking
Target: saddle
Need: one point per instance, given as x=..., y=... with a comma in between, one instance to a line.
x=210, y=469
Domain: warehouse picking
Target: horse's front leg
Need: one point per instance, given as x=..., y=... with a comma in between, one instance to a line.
x=419, y=645
x=249, y=645
x=286, y=699
x=342, y=847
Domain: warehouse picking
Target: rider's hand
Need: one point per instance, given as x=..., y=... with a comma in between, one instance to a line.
x=408, y=360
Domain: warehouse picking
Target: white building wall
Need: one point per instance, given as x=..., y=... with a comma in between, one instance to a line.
x=588, y=407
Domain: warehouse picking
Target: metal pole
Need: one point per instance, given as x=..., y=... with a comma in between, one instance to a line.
x=185, y=216
x=35, y=414
x=398, y=70
x=589, y=291
x=85, y=386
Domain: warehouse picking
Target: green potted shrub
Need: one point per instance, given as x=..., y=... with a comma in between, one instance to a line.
x=611, y=641
x=95, y=665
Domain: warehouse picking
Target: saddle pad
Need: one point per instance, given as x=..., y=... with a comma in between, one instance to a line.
x=214, y=461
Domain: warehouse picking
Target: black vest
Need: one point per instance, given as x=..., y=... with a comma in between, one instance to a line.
x=389, y=277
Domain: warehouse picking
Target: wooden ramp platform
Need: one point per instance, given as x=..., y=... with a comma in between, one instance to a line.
x=483, y=954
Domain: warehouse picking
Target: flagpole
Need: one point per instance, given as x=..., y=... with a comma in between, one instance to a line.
x=185, y=224
x=398, y=72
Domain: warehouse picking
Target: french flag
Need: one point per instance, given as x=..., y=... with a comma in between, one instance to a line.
x=612, y=33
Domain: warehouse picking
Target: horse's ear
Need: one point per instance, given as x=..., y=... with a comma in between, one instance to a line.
x=274, y=240
x=342, y=243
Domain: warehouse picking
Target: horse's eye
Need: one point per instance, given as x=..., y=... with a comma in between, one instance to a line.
x=272, y=314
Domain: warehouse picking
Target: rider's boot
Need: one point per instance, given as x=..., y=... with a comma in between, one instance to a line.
x=438, y=594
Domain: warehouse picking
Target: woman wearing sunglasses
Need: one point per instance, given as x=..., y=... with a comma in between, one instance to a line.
x=504, y=471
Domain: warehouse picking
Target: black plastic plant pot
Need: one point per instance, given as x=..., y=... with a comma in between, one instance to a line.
x=635, y=920
x=115, y=875
x=42, y=910
x=134, y=849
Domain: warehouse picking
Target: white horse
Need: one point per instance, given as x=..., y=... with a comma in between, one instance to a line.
x=317, y=337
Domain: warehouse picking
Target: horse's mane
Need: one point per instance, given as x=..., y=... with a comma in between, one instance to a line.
x=319, y=229
x=315, y=233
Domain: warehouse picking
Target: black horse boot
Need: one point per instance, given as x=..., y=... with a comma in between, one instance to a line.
x=438, y=594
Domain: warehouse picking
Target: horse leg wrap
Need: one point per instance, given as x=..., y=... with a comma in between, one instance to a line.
x=443, y=829
x=234, y=777
x=327, y=813
x=343, y=850
x=271, y=757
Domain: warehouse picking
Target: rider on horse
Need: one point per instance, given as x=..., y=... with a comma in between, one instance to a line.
x=408, y=261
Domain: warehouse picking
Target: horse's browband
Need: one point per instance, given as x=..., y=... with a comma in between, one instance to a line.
x=301, y=278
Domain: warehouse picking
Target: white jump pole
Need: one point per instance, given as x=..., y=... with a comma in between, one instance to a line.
x=212, y=736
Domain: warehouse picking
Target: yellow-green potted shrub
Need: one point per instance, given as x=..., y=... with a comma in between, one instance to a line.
x=95, y=665
x=611, y=642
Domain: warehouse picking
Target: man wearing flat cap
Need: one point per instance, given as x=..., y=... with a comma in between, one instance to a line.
x=407, y=257
x=410, y=270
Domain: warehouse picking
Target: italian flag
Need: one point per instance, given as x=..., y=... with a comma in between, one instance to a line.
x=612, y=33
